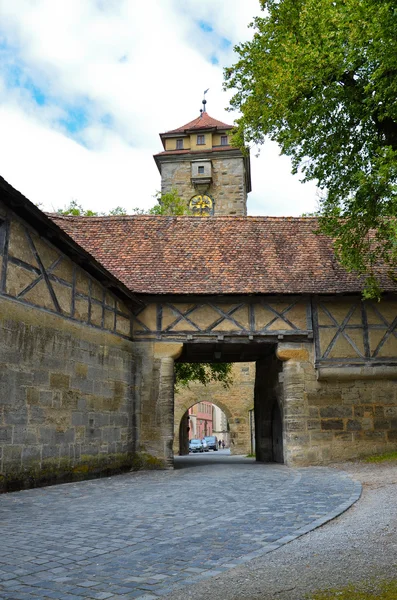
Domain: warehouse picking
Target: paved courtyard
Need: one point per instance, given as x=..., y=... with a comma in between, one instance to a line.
x=142, y=535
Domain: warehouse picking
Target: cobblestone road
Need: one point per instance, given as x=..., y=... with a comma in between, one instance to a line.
x=141, y=535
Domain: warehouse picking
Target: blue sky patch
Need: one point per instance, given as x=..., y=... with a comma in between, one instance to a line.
x=17, y=75
x=75, y=120
x=221, y=43
x=205, y=26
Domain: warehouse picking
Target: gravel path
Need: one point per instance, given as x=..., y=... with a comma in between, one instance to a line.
x=361, y=544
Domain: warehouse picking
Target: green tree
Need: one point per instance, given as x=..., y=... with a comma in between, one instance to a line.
x=75, y=209
x=169, y=204
x=320, y=78
x=205, y=373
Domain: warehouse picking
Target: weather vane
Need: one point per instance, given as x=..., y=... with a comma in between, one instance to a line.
x=202, y=110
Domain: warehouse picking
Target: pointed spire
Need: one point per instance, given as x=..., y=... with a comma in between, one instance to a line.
x=203, y=110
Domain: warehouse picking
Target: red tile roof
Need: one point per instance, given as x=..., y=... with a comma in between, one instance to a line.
x=204, y=121
x=214, y=149
x=215, y=255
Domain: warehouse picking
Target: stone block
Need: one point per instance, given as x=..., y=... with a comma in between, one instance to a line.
x=370, y=435
x=79, y=419
x=365, y=395
x=313, y=424
x=382, y=424
x=16, y=417
x=390, y=411
x=81, y=370
x=25, y=435
x=12, y=455
x=89, y=449
x=47, y=435
x=6, y=435
x=321, y=436
x=31, y=454
x=119, y=420
x=343, y=436
x=295, y=425
x=82, y=385
x=32, y=396
x=366, y=411
x=59, y=381
x=323, y=400
x=46, y=398
x=353, y=425
x=93, y=434
x=332, y=424
x=37, y=415
x=336, y=411
x=65, y=437
x=367, y=424
x=110, y=434
x=297, y=439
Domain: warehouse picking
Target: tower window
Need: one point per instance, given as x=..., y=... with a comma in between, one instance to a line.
x=201, y=170
x=224, y=140
x=200, y=140
x=179, y=144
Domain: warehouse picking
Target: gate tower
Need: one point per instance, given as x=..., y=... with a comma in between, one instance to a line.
x=199, y=162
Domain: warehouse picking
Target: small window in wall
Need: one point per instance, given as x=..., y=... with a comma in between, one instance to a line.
x=200, y=140
x=179, y=144
x=224, y=140
x=201, y=170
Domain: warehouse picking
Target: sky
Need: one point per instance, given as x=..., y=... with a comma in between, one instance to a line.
x=86, y=86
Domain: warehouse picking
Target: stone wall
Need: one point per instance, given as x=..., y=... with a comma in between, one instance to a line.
x=228, y=187
x=67, y=369
x=343, y=414
x=66, y=399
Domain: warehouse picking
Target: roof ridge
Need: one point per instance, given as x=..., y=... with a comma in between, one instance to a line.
x=204, y=219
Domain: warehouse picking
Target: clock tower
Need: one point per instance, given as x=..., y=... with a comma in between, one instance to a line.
x=198, y=161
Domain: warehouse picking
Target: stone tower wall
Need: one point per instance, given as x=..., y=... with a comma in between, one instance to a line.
x=228, y=188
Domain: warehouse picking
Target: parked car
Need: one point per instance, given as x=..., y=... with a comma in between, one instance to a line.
x=212, y=442
x=205, y=445
x=195, y=446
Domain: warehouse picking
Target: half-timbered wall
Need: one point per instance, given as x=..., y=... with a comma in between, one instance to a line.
x=351, y=331
x=346, y=331
x=215, y=318
x=35, y=273
x=67, y=367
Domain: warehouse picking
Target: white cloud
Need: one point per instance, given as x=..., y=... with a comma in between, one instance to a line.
x=143, y=66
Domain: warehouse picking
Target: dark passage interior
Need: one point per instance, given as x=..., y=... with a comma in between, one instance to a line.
x=268, y=400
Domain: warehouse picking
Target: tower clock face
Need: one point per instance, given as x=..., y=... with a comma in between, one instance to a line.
x=202, y=205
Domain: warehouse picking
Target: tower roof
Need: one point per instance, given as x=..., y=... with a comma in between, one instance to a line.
x=204, y=121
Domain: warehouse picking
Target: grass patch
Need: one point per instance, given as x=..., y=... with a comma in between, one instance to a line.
x=381, y=458
x=366, y=591
x=250, y=456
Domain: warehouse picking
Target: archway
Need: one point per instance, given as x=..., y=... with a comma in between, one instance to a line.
x=259, y=398
x=186, y=425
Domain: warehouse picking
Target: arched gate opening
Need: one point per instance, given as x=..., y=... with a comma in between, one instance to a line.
x=265, y=406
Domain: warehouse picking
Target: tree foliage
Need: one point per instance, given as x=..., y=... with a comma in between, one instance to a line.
x=169, y=204
x=205, y=373
x=75, y=209
x=320, y=78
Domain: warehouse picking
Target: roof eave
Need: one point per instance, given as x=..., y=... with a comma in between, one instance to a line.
x=29, y=212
